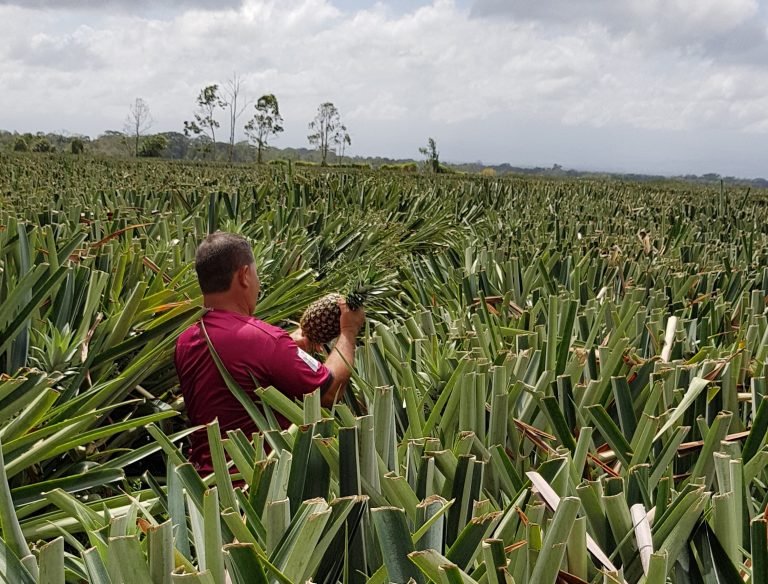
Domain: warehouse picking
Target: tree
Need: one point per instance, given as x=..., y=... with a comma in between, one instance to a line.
x=153, y=146
x=431, y=155
x=138, y=122
x=112, y=143
x=178, y=145
x=208, y=101
x=266, y=122
x=76, y=146
x=43, y=145
x=20, y=145
x=233, y=93
x=327, y=130
x=345, y=141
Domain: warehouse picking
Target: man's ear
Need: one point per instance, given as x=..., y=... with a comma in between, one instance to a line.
x=242, y=276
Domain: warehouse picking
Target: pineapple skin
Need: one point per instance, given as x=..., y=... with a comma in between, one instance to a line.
x=320, y=321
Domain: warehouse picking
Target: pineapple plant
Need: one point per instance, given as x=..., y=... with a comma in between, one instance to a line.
x=320, y=321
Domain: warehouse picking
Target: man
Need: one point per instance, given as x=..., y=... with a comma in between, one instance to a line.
x=249, y=348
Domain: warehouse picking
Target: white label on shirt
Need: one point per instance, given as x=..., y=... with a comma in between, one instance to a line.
x=313, y=363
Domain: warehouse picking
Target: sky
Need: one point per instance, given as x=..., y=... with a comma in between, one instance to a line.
x=653, y=86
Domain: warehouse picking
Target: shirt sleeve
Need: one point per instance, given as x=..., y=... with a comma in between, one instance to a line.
x=295, y=372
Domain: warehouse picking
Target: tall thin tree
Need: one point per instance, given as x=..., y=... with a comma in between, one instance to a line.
x=208, y=101
x=138, y=122
x=232, y=90
x=266, y=122
x=431, y=156
x=327, y=130
x=342, y=146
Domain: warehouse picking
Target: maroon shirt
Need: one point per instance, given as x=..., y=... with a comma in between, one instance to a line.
x=249, y=348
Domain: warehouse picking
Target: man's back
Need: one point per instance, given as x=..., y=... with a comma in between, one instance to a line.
x=255, y=354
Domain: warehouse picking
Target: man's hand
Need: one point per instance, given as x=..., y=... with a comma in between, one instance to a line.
x=304, y=343
x=351, y=321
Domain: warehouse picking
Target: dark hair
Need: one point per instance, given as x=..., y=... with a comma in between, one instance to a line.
x=217, y=259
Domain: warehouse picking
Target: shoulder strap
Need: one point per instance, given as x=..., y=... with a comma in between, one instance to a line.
x=240, y=394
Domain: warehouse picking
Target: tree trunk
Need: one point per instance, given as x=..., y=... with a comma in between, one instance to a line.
x=324, y=149
x=232, y=121
x=138, y=133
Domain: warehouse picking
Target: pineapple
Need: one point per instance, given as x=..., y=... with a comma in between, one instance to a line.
x=320, y=322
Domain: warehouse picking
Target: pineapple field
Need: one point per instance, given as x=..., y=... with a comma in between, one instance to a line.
x=559, y=381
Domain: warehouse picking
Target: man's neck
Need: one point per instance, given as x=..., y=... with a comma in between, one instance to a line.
x=218, y=302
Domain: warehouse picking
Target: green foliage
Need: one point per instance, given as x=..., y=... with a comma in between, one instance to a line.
x=43, y=145
x=431, y=156
x=404, y=167
x=77, y=146
x=208, y=101
x=327, y=131
x=354, y=165
x=20, y=145
x=153, y=146
x=266, y=123
x=561, y=376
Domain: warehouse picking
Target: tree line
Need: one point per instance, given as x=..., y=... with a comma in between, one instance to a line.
x=327, y=132
x=179, y=147
x=328, y=135
x=328, y=138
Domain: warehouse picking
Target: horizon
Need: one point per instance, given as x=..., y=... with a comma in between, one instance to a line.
x=595, y=87
x=368, y=157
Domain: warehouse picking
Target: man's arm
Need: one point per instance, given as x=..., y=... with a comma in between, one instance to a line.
x=339, y=363
x=342, y=358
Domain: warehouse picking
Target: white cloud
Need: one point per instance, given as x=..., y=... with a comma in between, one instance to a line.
x=438, y=68
x=708, y=15
x=126, y=5
x=61, y=53
x=712, y=26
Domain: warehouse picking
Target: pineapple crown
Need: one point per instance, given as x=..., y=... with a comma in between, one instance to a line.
x=368, y=283
x=358, y=295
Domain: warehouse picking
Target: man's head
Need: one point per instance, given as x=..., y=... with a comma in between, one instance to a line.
x=226, y=269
